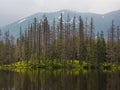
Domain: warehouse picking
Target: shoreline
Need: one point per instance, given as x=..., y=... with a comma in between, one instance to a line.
x=57, y=65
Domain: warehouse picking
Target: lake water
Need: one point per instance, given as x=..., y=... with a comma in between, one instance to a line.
x=59, y=80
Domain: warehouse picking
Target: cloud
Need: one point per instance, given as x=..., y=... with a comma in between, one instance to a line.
x=17, y=6
x=97, y=6
x=13, y=10
x=104, y=6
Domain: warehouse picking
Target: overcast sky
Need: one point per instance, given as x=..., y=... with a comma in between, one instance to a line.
x=12, y=10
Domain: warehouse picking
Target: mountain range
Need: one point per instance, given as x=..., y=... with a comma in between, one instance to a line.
x=101, y=21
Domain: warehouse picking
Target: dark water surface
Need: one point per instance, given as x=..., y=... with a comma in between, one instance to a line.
x=59, y=80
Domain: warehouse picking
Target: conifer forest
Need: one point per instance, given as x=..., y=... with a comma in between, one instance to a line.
x=61, y=41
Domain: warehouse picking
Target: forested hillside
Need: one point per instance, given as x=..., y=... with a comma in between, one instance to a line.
x=101, y=21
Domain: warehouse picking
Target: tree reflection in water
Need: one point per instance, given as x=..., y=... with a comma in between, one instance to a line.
x=59, y=80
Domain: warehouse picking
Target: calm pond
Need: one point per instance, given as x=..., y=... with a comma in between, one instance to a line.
x=59, y=80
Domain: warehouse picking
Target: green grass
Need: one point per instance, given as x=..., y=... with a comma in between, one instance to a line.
x=22, y=66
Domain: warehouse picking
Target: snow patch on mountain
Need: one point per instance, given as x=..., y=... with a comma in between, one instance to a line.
x=63, y=12
x=22, y=20
x=103, y=17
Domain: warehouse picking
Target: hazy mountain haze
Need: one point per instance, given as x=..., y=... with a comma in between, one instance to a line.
x=101, y=21
x=13, y=10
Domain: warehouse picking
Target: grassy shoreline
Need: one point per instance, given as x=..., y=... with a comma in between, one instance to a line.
x=21, y=65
